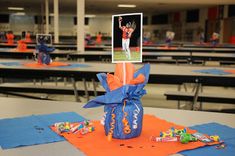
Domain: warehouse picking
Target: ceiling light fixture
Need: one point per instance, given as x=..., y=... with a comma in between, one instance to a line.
x=19, y=13
x=15, y=8
x=126, y=5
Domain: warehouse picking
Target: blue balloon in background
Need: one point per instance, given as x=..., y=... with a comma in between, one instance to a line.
x=44, y=53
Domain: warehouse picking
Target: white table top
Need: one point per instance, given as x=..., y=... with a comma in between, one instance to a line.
x=217, y=49
x=159, y=73
x=14, y=50
x=159, y=54
x=155, y=69
x=15, y=107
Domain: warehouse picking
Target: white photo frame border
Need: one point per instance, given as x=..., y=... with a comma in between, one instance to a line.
x=37, y=35
x=141, y=37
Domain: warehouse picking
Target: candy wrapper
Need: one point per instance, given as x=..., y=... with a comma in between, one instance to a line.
x=123, y=110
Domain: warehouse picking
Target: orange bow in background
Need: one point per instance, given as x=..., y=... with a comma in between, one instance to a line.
x=22, y=46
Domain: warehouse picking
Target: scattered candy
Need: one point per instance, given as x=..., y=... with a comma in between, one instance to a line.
x=168, y=133
x=173, y=132
x=178, y=132
x=215, y=138
x=221, y=146
x=79, y=127
x=185, y=138
x=161, y=139
x=201, y=137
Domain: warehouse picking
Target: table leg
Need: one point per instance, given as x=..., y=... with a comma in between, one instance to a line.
x=34, y=82
x=191, y=58
x=204, y=62
x=1, y=80
x=86, y=90
x=41, y=82
x=65, y=81
x=56, y=81
x=75, y=90
x=185, y=87
x=179, y=88
x=94, y=87
x=198, y=86
x=200, y=108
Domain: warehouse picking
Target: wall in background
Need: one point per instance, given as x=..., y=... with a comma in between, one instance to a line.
x=185, y=31
x=19, y=23
x=67, y=27
x=100, y=24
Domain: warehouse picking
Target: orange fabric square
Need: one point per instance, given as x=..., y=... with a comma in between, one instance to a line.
x=96, y=143
x=167, y=47
x=22, y=50
x=230, y=71
x=52, y=64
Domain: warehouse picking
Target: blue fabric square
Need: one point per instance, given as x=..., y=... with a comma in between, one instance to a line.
x=10, y=63
x=75, y=65
x=50, y=119
x=72, y=65
x=32, y=130
x=227, y=134
x=212, y=71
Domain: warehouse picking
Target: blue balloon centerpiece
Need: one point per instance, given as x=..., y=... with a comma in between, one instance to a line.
x=44, y=53
x=123, y=110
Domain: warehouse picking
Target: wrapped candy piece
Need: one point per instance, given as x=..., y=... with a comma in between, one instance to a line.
x=122, y=103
